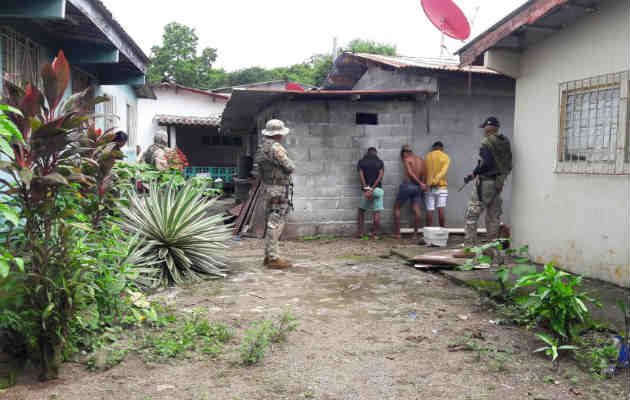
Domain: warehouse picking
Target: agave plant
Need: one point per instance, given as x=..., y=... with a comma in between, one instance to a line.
x=178, y=241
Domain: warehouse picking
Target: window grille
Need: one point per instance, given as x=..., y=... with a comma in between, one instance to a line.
x=21, y=59
x=593, y=137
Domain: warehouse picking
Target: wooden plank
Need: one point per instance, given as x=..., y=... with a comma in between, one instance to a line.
x=238, y=224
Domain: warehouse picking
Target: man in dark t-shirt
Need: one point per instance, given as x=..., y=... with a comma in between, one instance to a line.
x=371, y=170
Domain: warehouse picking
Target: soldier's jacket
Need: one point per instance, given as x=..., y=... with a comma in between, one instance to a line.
x=272, y=163
x=499, y=147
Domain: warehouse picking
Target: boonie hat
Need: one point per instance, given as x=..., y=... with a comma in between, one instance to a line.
x=490, y=121
x=275, y=127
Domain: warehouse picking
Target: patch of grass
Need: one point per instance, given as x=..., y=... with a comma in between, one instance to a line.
x=316, y=237
x=194, y=334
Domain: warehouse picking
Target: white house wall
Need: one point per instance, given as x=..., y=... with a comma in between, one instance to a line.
x=183, y=103
x=578, y=221
x=123, y=95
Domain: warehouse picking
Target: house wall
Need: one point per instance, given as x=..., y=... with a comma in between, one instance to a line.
x=578, y=221
x=124, y=95
x=326, y=144
x=170, y=102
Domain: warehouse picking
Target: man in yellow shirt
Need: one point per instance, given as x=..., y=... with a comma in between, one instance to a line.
x=437, y=162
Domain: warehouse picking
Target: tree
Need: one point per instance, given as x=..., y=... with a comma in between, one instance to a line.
x=371, y=47
x=177, y=59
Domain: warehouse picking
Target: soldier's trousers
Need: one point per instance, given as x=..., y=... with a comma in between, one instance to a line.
x=276, y=209
x=490, y=201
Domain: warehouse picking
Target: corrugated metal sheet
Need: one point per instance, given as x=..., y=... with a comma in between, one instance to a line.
x=423, y=62
x=212, y=120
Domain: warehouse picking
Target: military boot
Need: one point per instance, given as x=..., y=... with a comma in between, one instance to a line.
x=278, y=263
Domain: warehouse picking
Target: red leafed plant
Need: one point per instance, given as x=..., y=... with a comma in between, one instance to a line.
x=177, y=159
x=48, y=147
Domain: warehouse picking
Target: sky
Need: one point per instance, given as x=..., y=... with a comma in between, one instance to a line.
x=276, y=33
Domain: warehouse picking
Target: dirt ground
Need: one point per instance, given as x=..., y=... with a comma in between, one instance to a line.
x=370, y=328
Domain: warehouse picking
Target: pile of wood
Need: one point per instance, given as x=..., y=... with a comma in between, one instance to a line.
x=251, y=220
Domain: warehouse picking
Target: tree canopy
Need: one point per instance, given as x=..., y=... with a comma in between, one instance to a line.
x=178, y=60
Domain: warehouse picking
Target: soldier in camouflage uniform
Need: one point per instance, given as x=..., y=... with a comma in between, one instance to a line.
x=489, y=177
x=157, y=152
x=274, y=167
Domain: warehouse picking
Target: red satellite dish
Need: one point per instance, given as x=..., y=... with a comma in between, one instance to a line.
x=293, y=86
x=447, y=17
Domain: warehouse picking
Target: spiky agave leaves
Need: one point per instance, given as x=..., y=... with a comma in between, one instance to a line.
x=179, y=241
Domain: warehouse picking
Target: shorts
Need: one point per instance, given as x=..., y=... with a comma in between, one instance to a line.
x=408, y=191
x=375, y=203
x=435, y=198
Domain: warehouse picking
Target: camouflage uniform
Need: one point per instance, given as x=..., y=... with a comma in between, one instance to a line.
x=487, y=190
x=275, y=168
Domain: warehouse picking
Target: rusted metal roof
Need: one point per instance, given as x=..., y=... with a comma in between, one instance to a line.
x=530, y=23
x=423, y=62
x=348, y=68
x=212, y=120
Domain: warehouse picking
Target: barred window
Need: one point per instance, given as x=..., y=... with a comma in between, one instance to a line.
x=21, y=59
x=593, y=125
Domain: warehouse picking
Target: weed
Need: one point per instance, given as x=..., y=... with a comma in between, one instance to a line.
x=256, y=342
x=285, y=324
x=261, y=334
x=176, y=341
x=548, y=379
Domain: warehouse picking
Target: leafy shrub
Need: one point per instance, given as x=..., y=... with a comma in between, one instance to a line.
x=256, y=342
x=556, y=302
x=42, y=139
x=180, y=242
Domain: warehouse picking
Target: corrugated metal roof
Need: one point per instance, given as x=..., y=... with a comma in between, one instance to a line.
x=212, y=120
x=174, y=86
x=439, y=64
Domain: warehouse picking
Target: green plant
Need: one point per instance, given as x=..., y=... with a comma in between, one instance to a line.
x=193, y=334
x=42, y=142
x=556, y=301
x=493, y=252
x=552, y=347
x=180, y=242
x=285, y=324
x=256, y=342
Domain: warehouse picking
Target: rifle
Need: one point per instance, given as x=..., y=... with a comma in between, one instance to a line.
x=466, y=182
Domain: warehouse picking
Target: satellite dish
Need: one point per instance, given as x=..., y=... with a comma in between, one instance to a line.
x=294, y=87
x=447, y=17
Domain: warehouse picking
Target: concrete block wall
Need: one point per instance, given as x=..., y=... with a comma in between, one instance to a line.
x=326, y=144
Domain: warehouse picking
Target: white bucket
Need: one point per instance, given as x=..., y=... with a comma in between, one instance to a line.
x=435, y=236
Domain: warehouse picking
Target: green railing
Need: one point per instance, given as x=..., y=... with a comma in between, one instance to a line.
x=225, y=173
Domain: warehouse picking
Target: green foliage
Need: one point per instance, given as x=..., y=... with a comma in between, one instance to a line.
x=552, y=347
x=261, y=334
x=492, y=253
x=556, y=302
x=596, y=356
x=194, y=334
x=177, y=59
x=256, y=342
x=371, y=47
x=285, y=324
x=178, y=240
x=45, y=141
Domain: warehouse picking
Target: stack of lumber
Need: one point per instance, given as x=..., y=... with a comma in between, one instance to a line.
x=251, y=220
